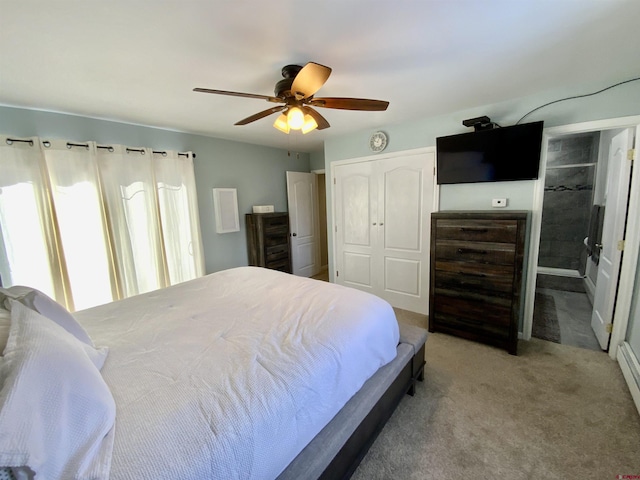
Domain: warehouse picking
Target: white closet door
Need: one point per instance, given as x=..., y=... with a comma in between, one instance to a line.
x=406, y=193
x=356, y=209
x=382, y=226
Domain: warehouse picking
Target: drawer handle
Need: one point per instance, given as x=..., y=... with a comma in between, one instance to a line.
x=469, y=321
x=472, y=274
x=472, y=250
x=475, y=230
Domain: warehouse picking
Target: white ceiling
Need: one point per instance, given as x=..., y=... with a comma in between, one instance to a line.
x=137, y=61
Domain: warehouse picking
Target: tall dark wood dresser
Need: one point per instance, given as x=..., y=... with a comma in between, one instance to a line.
x=477, y=260
x=268, y=240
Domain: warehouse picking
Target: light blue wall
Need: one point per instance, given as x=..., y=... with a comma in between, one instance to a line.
x=618, y=102
x=316, y=161
x=258, y=173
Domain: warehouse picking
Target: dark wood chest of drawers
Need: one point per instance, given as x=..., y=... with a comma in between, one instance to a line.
x=476, y=275
x=268, y=240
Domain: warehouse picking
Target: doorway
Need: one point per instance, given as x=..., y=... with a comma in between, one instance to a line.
x=322, y=217
x=586, y=185
x=306, y=199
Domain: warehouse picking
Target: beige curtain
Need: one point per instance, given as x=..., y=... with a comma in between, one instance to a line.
x=129, y=191
x=29, y=253
x=179, y=215
x=89, y=224
x=77, y=201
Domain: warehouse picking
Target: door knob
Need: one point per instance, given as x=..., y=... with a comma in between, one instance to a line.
x=374, y=223
x=294, y=234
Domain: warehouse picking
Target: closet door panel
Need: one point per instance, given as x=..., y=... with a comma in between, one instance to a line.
x=402, y=208
x=357, y=270
x=356, y=190
x=402, y=276
x=406, y=200
x=355, y=209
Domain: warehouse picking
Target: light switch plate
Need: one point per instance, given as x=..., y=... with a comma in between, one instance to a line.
x=499, y=202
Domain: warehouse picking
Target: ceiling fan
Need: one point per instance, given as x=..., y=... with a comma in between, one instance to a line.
x=296, y=94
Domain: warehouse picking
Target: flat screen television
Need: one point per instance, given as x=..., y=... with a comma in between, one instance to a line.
x=497, y=155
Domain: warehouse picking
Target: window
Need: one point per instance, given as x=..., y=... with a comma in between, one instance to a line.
x=89, y=225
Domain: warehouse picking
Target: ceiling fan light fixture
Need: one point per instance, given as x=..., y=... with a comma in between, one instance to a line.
x=295, y=94
x=295, y=118
x=309, y=124
x=281, y=123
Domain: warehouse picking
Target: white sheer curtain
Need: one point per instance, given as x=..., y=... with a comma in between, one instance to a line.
x=132, y=210
x=179, y=215
x=89, y=225
x=77, y=200
x=28, y=247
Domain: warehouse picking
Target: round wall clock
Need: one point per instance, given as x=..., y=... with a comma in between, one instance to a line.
x=378, y=141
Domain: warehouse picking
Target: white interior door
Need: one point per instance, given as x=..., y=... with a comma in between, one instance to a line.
x=355, y=211
x=618, y=176
x=406, y=194
x=302, y=196
x=382, y=222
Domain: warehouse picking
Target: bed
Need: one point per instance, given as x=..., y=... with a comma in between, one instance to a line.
x=245, y=373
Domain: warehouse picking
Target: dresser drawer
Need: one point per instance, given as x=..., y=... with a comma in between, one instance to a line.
x=281, y=238
x=456, y=325
x=472, y=277
x=485, y=310
x=275, y=222
x=503, y=231
x=277, y=252
x=281, y=265
x=478, y=252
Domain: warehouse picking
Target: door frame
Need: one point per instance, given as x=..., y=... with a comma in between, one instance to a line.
x=325, y=238
x=624, y=291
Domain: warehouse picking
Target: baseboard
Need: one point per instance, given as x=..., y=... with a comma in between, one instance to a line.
x=560, y=272
x=630, y=370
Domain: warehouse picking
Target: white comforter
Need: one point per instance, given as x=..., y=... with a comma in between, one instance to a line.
x=231, y=375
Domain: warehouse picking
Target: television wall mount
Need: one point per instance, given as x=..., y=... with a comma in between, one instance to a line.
x=480, y=123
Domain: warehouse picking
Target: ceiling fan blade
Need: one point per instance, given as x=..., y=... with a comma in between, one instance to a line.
x=260, y=115
x=350, y=103
x=320, y=120
x=309, y=80
x=239, y=94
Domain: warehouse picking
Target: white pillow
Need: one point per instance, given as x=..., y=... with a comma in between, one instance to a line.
x=57, y=414
x=45, y=305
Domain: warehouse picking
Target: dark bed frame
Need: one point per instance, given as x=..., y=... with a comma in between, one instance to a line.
x=356, y=447
x=337, y=450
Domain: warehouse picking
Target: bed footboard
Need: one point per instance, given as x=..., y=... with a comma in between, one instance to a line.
x=357, y=446
x=339, y=448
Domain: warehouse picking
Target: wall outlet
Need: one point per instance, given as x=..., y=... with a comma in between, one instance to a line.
x=499, y=202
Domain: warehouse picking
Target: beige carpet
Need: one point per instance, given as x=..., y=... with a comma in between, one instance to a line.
x=552, y=412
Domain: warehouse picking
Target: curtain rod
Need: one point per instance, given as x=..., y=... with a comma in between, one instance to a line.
x=46, y=143
x=11, y=140
x=141, y=150
x=110, y=149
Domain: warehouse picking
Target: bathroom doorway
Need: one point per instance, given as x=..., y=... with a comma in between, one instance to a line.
x=581, y=173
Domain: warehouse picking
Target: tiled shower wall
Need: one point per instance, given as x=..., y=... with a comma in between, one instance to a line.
x=568, y=198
